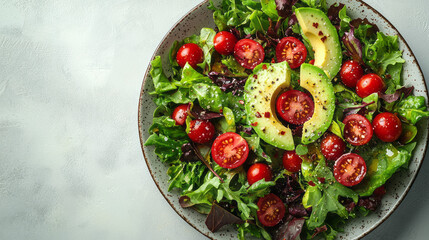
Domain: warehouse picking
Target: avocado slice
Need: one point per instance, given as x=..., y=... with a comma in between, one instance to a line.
x=260, y=94
x=323, y=37
x=320, y=87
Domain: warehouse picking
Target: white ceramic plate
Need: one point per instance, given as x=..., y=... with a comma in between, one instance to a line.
x=398, y=186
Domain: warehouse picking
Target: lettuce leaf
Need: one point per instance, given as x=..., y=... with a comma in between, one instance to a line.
x=412, y=108
x=323, y=197
x=382, y=162
x=160, y=81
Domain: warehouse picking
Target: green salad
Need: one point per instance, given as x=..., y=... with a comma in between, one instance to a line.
x=285, y=120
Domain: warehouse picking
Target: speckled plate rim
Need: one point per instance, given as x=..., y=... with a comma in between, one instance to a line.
x=364, y=233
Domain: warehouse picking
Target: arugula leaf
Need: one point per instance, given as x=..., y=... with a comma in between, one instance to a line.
x=412, y=108
x=254, y=144
x=160, y=81
x=227, y=124
x=382, y=161
x=344, y=21
x=186, y=176
x=323, y=197
x=167, y=126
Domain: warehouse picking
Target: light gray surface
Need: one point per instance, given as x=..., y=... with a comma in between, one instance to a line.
x=71, y=164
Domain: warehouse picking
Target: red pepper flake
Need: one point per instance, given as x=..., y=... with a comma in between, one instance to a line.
x=320, y=33
x=255, y=76
x=323, y=39
x=272, y=60
x=264, y=67
x=221, y=111
x=282, y=133
x=258, y=115
x=254, y=124
x=241, y=102
x=321, y=179
x=311, y=183
x=311, y=62
x=316, y=25
x=267, y=114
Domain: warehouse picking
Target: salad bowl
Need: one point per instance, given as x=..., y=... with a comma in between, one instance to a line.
x=398, y=186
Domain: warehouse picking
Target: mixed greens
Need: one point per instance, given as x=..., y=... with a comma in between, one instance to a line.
x=208, y=92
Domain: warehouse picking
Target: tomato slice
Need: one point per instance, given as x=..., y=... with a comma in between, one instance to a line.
x=248, y=53
x=295, y=107
x=230, y=150
x=271, y=210
x=357, y=129
x=291, y=50
x=350, y=169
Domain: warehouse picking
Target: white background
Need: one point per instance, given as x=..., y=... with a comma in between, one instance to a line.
x=71, y=166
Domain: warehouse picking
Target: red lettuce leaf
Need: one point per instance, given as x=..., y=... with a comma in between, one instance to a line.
x=290, y=230
x=219, y=217
x=353, y=45
x=407, y=91
x=284, y=7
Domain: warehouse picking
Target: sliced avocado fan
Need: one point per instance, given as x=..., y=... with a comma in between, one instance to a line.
x=323, y=37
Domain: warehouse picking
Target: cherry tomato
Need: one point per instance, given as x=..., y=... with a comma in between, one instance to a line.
x=179, y=114
x=248, y=53
x=271, y=210
x=257, y=172
x=189, y=53
x=350, y=73
x=332, y=146
x=311, y=62
x=387, y=127
x=349, y=169
x=369, y=84
x=291, y=50
x=230, y=150
x=357, y=129
x=202, y=131
x=291, y=161
x=224, y=42
x=295, y=107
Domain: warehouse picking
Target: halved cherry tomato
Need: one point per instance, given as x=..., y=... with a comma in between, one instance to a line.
x=189, y=53
x=357, y=129
x=271, y=210
x=202, y=131
x=295, y=107
x=230, y=150
x=257, y=172
x=291, y=50
x=179, y=114
x=224, y=42
x=291, y=161
x=387, y=127
x=249, y=53
x=350, y=73
x=332, y=146
x=350, y=169
x=369, y=84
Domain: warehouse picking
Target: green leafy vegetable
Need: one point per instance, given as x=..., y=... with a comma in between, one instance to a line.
x=324, y=196
x=160, y=81
x=413, y=108
x=382, y=160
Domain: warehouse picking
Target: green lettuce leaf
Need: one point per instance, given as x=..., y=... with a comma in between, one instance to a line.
x=209, y=96
x=382, y=162
x=413, y=108
x=324, y=196
x=160, y=81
